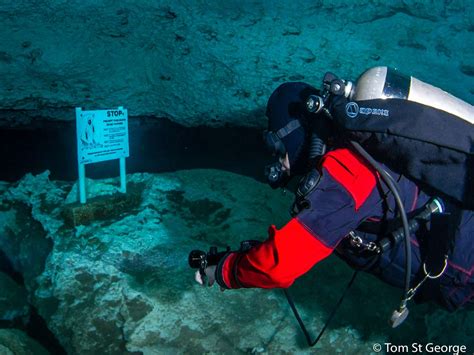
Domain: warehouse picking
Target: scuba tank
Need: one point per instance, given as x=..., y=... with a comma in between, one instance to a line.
x=384, y=82
x=414, y=128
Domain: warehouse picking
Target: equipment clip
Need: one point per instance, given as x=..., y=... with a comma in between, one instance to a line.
x=357, y=242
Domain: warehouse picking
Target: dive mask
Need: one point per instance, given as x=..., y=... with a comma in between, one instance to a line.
x=276, y=176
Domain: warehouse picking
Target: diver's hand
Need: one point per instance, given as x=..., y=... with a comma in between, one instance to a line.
x=210, y=277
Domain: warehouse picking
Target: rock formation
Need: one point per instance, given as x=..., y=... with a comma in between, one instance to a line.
x=215, y=63
x=120, y=283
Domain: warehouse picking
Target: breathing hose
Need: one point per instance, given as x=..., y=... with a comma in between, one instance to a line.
x=387, y=178
x=393, y=188
x=317, y=147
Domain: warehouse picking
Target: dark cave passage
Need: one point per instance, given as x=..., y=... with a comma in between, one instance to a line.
x=37, y=329
x=156, y=145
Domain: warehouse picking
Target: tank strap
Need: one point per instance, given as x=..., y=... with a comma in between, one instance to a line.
x=441, y=241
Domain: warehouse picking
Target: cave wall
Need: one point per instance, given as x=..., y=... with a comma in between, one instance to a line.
x=215, y=62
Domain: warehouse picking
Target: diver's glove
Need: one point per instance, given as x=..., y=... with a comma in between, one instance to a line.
x=208, y=278
x=208, y=264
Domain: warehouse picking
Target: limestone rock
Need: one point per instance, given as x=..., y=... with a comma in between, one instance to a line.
x=214, y=64
x=102, y=207
x=123, y=285
x=16, y=342
x=23, y=239
x=13, y=299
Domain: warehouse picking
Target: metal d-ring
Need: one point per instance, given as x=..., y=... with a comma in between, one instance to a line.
x=441, y=273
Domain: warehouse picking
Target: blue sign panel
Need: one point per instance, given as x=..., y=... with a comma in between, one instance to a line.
x=101, y=135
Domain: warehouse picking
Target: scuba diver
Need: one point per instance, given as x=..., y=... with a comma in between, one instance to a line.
x=344, y=206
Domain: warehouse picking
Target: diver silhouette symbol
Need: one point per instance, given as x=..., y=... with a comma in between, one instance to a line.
x=88, y=136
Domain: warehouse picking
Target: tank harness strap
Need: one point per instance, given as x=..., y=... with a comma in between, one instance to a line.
x=440, y=244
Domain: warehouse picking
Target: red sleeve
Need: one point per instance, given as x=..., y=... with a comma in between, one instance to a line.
x=287, y=254
x=338, y=205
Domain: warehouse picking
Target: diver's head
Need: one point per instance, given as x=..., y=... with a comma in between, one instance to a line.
x=289, y=135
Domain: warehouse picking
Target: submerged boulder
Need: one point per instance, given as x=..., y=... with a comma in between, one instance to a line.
x=26, y=219
x=121, y=283
x=16, y=342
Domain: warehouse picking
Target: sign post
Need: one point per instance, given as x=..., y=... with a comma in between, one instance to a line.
x=123, y=176
x=101, y=135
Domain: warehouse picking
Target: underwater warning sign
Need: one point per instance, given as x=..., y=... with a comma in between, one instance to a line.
x=101, y=135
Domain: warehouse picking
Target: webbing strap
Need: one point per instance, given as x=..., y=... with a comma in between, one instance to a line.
x=442, y=238
x=290, y=127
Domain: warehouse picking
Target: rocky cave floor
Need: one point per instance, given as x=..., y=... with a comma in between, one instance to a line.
x=120, y=282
